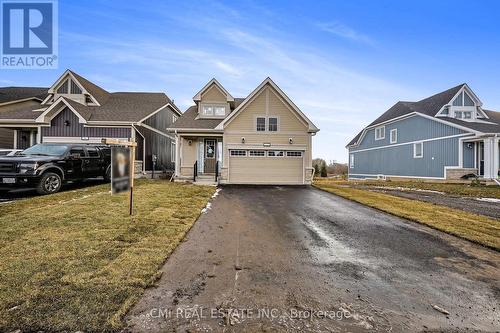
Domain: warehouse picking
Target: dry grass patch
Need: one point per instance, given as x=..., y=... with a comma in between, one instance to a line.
x=483, y=191
x=476, y=228
x=76, y=261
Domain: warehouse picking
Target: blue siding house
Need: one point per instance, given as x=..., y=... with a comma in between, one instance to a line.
x=445, y=136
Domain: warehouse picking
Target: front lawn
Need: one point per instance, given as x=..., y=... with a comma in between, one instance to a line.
x=75, y=261
x=490, y=191
x=476, y=228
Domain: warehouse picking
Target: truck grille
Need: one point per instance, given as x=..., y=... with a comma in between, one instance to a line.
x=7, y=167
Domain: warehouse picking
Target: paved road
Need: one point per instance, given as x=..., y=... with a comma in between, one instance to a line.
x=273, y=258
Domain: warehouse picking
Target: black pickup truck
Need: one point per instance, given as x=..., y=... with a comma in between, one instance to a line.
x=47, y=166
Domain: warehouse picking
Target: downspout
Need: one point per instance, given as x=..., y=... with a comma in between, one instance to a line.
x=143, y=149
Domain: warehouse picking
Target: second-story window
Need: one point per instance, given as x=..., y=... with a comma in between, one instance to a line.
x=208, y=110
x=261, y=124
x=219, y=110
x=380, y=133
x=273, y=124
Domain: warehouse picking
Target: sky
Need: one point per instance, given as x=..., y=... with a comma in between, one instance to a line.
x=343, y=63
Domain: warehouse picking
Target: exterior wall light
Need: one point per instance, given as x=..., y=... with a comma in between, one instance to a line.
x=290, y=140
x=242, y=139
x=66, y=123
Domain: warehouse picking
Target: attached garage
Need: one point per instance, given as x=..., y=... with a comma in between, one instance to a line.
x=266, y=167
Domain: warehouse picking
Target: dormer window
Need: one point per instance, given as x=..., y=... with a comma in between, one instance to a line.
x=468, y=115
x=463, y=100
x=458, y=114
x=63, y=88
x=75, y=89
x=210, y=110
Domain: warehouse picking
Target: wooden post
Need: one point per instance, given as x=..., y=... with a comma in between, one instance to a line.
x=132, y=175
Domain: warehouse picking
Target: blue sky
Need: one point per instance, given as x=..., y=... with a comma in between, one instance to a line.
x=342, y=62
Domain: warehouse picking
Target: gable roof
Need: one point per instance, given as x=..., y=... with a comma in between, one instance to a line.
x=123, y=107
x=12, y=94
x=268, y=81
x=190, y=119
x=430, y=106
x=197, y=97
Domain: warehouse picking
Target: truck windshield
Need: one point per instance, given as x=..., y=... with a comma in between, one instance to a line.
x=45, y=149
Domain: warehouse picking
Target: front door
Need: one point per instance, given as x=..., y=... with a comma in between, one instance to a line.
x=210, y=155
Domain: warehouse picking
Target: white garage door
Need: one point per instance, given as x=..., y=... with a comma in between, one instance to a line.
x=266, y=167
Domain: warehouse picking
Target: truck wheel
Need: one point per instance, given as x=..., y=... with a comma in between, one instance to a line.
x=107, y=175
x=49, y=183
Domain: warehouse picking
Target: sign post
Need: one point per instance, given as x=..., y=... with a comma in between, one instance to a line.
x=116, y=165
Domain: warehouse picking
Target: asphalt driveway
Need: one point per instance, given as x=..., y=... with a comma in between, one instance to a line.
x=299, y=259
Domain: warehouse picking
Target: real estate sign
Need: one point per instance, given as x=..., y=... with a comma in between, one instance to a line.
x=120, y=169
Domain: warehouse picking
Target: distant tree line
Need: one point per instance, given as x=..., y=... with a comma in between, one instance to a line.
x=332, y=168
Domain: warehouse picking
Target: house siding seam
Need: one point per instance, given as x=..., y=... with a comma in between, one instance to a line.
x=410, y=129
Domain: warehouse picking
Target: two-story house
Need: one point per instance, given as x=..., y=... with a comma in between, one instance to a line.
x=445, y=136
x=261, y=139
x=75, y=110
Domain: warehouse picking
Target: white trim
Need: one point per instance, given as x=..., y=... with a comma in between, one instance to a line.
x=20, y=101
x=157, y=131
x=153, y=113
x=41, y=118
x=351, y=161
x=393, y=138
x=69, y=139
x=411, y=142
x=198, y=96
x=409, y=115
x=232, y=115
x=415, y=150
x=15, y=139
x=52, y=89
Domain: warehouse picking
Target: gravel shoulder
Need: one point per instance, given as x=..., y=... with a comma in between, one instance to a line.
x=263, y=258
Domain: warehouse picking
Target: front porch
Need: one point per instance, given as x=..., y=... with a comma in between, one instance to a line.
x=478, y=156
x=198, y=157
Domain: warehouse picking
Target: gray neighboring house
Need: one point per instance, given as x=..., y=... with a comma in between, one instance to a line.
x=75, y=110
x=444, y=136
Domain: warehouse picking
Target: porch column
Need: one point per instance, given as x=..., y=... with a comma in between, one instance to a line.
x=490, y=158
x=177, y=156
x=496, y=157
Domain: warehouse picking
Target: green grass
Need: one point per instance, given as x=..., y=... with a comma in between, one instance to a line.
x=459, y=189
x=476, y=228
x=76, y=260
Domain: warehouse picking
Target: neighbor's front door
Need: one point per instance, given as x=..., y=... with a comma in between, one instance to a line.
x=210, y=155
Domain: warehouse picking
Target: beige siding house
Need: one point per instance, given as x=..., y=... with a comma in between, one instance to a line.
x=261, y=139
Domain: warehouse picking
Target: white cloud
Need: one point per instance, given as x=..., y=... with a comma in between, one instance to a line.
x=341, y=30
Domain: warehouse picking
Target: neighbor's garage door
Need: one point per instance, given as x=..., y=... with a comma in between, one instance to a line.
x=266, y=167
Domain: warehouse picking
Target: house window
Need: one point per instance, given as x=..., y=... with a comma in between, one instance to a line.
x=174, y=118
x=446, y=110
x=257, y=153
x=467, y=115
x=294, y=154
x=458, y=114
x=261, y=124
x=88, y=99
x=275, y=153
x=418, y=150
x=238, y=153
x=219, y=110
x=63, y=88
x=351, y=161
x=92, y=151
x=394, y=135
x=463, y=100
x=207, y=110
x=75, y=89
x=380, y=133
x=273, y=124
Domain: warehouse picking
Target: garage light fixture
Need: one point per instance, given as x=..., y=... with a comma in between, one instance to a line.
x=290, y=140
x=242, y=139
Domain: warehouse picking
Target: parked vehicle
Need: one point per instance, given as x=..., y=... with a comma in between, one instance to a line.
x=9, y=152
x=47, y=166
